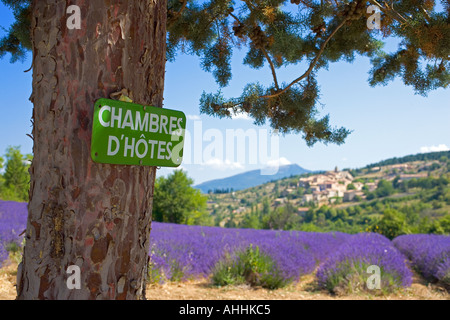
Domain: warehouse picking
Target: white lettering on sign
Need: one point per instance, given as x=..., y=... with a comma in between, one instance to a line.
x=141, y=124
x=100, y=116
x=129, y=147
x=128, y=121
x=156, y=123
x=138, y=148
x=116, y=117
x=116, y=150
x=173, y=124
x=164, y=121
x=141, y=147
x=153, y=143
x=161, y=150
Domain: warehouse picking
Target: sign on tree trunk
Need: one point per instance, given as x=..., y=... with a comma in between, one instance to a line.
x=132, y=134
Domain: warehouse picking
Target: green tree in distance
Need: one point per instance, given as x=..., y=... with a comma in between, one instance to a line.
x=384, y=188
x=351, y=186
x=16, y=178
x=2, y=179
x=392, y=224
x=176, y=201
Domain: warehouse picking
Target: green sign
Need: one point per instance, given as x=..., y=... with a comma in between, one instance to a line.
x=132, y=134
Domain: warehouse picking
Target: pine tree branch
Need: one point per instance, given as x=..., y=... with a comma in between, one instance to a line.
x=311, y=65
x=390, y=11
x=235, y=18
x=307, y=3
x=272, y=67
x=177, y=14
x=266, y=55
x=249, y=5
x=426, y=14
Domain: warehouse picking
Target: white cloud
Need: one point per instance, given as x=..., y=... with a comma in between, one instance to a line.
x=240, y=116
x=441, y=147
x=278, y=162
x=193, y=117
x=219, y=164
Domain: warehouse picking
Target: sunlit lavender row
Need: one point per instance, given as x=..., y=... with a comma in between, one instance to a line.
x=13, y=221
x=351, y=265
x=187, y=251
x=193, y=251
x=429, y=254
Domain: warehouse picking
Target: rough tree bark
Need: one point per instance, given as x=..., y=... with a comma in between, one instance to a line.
x=95, y=216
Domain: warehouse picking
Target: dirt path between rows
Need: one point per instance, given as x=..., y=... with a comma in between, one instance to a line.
x=201, y=289
x=305, y=289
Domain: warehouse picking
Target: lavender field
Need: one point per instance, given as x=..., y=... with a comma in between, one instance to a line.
x=13, y=221
x=429, y=254
x=346, y=269
x=193, y=251
x=340, y=261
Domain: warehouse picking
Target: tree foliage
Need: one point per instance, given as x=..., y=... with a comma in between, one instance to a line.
x=440, y=155
x=176, y=201
x=17, y=41
x=278, y=34
x=393, y=224
x=14, y=182
x=305, y=34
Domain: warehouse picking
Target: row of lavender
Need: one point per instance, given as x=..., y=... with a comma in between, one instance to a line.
x=428, y=253
x=195, y=250
x=13, y=221
x=180, y=251
x=353, y=263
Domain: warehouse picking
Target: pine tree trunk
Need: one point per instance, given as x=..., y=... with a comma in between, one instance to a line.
x=95, y=216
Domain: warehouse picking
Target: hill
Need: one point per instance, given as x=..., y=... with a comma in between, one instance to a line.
x=250, y=179
x=411, y=158
x=415, y=196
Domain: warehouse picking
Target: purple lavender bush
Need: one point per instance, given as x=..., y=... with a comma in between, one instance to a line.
x=180, y=251
x=13, y=221
x=347, y=269
x=429, y=254
x=251, y=267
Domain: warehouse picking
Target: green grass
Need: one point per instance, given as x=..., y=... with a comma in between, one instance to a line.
x=249, y=266
x=352, y=278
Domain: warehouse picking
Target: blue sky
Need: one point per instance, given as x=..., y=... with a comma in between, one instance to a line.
x=386, y=121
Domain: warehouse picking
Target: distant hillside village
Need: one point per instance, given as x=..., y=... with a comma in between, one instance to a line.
x=340, y=189
x=330, y=186
x=339, y=186
x=342, y=199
